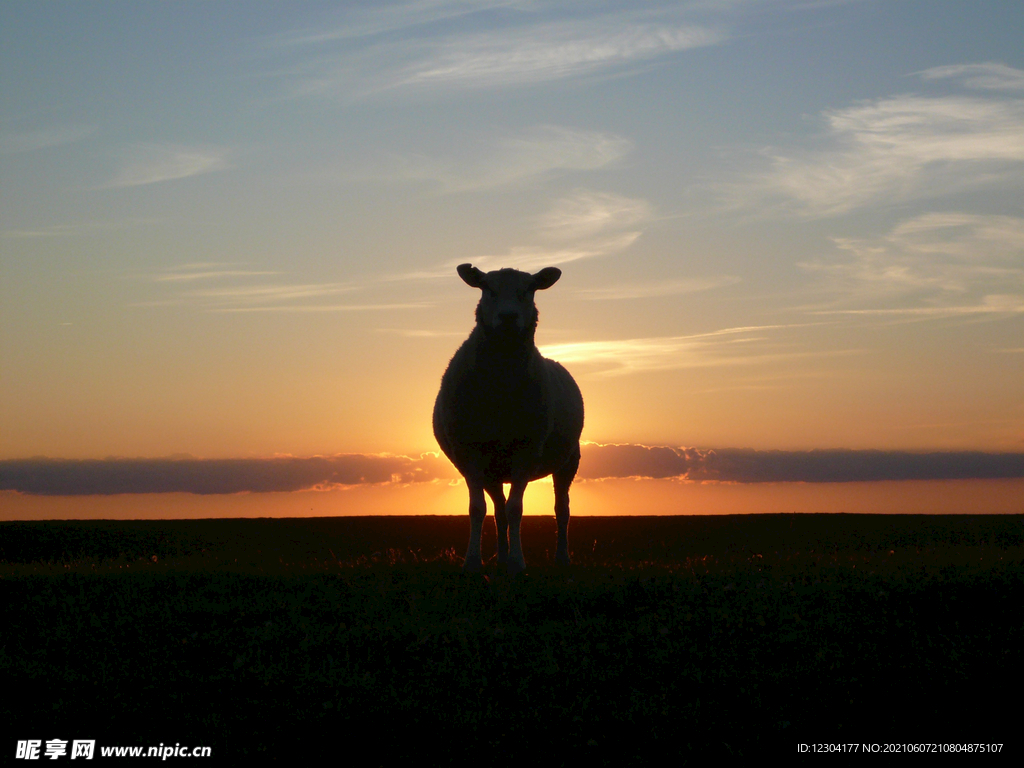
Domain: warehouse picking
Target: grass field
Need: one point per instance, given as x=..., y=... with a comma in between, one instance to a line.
x=683, y=637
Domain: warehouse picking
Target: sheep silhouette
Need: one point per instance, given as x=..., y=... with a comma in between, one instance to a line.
x=505, y=414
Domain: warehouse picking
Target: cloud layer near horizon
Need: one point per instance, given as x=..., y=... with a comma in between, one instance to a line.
x=71, y=477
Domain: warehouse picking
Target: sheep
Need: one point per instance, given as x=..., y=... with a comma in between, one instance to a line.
x=505, y=414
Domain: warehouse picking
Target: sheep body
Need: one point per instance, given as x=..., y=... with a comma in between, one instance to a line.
x=505, y=414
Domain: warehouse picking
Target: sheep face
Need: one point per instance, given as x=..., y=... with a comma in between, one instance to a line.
x=506, y=311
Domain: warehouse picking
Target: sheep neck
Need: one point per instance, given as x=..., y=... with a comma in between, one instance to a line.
x=503, y=356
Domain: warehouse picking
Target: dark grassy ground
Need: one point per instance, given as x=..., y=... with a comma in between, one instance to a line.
x=681, y=637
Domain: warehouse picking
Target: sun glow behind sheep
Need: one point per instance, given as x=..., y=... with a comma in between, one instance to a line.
x=605, y=497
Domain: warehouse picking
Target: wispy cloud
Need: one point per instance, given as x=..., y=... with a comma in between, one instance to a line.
x=586, y=213
x=260, y=294
x=317, y=308
x=528, y=156
x=205, y=271
x=416, y=333
x=655, y=289
x=152, y=163
x=42, y=138
x=525, y=258
x=754, y=8
x=550, y=51
x=461, y=45
x=227, y=288
x=936, y=259
x=76, y=229
x=987, y=76
x=893, y=149
x=530, y=258
x=729, y=346
x=993, y=304
x=584, y=225
x=53, y=230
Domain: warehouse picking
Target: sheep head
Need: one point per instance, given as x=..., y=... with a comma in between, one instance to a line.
x=506, y=312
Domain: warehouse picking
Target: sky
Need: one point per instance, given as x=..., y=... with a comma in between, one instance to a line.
x=789, y=230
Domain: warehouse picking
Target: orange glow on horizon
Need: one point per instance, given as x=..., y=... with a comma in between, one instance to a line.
x=628, y=497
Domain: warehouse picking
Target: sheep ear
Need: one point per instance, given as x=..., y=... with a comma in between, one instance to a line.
x=546, y=278
x=471, y=275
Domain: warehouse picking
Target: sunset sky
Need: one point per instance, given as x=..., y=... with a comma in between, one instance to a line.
x=230, y=231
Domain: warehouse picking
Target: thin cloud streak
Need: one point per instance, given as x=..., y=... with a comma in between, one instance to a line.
x=525, y=258
x=255, y=297
x=208, y=274
x=264, y=293
x=534, y=154
x=992, y=305
x=655, y=289
x=77, y=229
x=529, y=258
x=421, y=333
x=324, y=307
x=729, y=346
x=987, y=76
x=43, y=138
x=146, y=164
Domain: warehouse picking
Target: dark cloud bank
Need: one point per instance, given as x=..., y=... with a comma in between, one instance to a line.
x=67, y=477
x=64, y=477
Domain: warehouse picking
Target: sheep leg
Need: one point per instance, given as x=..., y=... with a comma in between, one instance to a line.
x=562, y=480
x=562, y=518
x=497, y=495
x=514, y=514
x=477, y=513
